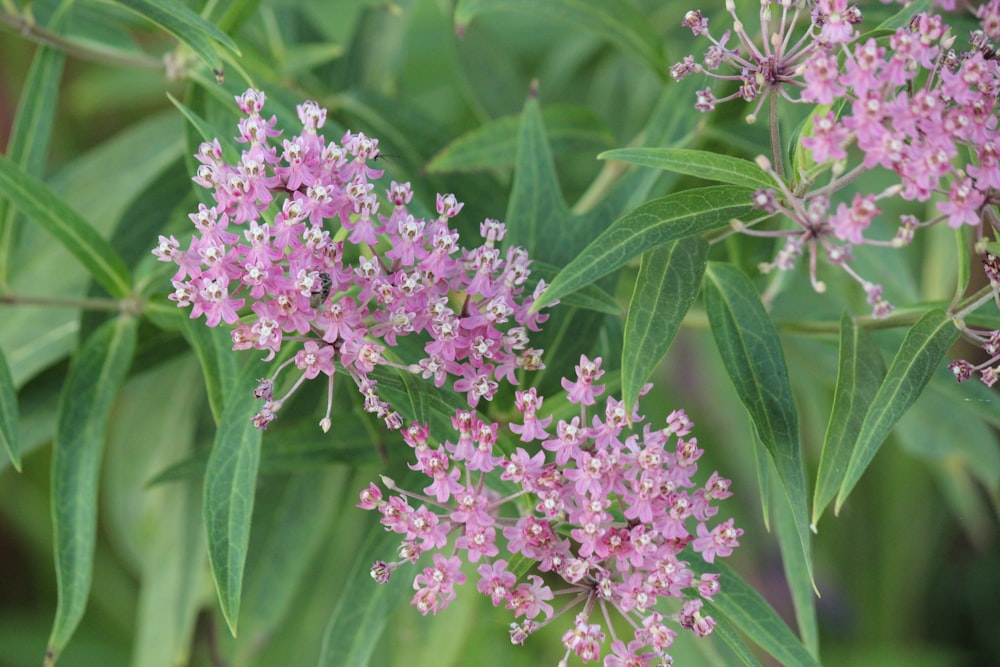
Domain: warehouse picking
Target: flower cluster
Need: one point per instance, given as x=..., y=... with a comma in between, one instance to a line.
x=988, y=340
x=907, y=105
x=318, y=264
x=604, y=518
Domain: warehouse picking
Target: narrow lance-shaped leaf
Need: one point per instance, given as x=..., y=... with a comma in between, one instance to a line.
x=292, y=522
x=750, y=348
x=206, y=131
x=725, y=631
x=192, y=30
x=230, y=480
x=912, y=367
x=703, y=164
x=590, y=297
x=536, y=212
x=655, y=223
x=539, y=220
x=9, y=431
x=38, y=202
x=29, y=138
x=214, y=348
x=903, y=17
x=97, y=372
x=797, y=575
x=858, y=378
x=364, y=606
x=753, y=616
x=616, y=20
x=668, y=282
x=494, y=145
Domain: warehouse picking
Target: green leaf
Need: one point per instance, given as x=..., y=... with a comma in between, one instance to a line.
x=364, y=606
x=536, y=209
x=419, y=401
x=655, y=223
x=207, y=131
x=703, y=164
x=37, y=201
x=494, y=144
x=189, y=28
x=669, y=280
x=753, y=616
x=9, y=427
x=158, y=533
x=173, y=578
x=727, y=633
x=84, y=406
x=233, y=13
x=590, y=297
x=902, y=18
x=615, y=20
x=354, y=448
x=291, y=522
x=230, y=481
x=29, y=138
x=751, y=351
x=539, y=219
x=764, y=467
x=858, y=378
x=798, y=576
x=912, y=367
x=214, y=347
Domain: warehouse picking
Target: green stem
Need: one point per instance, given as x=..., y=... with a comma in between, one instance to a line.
x=36, y=33
x=108, y=305
x=777, y=157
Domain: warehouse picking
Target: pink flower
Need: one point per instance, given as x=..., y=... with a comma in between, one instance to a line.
x=719, y=542
x=828, y=139
x=495, y=581
x=583, y=390
x=313, y=359
x=963, y=204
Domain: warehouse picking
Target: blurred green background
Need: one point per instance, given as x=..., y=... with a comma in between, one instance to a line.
x=909, y=573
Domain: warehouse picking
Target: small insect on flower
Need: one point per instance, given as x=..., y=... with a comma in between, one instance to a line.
x=321, y=291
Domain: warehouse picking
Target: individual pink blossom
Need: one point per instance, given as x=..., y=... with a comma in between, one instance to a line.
x=719, y=542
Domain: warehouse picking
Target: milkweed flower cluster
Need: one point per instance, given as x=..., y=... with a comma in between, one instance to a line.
x=908, y=105
x=318, y=265
x=603, y=514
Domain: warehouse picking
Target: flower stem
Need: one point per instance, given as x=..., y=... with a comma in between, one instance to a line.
x=36, y=33
x=112, y=305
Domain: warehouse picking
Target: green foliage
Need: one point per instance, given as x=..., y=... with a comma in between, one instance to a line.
x=142, y=514
x=668, y=282
x=751, y=351
x=84, y=408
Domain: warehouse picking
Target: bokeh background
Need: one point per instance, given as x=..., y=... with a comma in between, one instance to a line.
x=909, y=572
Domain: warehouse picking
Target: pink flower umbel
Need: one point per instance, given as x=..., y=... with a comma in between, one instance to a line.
x=607, y=518
x=908, y=106
x=318, y=263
